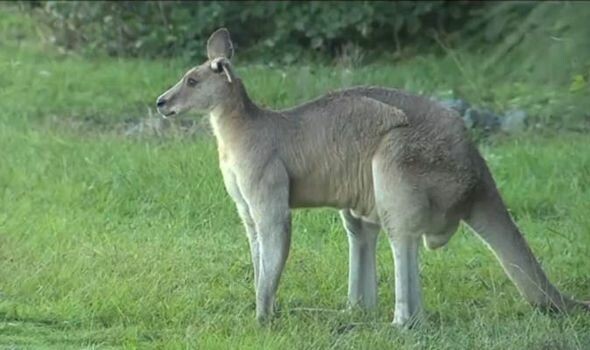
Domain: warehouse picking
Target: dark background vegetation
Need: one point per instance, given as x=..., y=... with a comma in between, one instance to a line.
x=294, y=30
x=281, y=29
x=521, y=42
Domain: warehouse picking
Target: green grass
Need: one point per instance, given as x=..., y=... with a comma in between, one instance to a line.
x=108, y=241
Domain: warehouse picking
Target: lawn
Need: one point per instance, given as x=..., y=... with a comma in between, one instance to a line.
x=116, y=241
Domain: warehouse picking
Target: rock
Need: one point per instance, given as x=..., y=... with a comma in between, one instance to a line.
x=481, y=119
x=458, y=104
x=470, y=118
x=514, y=121
x=490, y=121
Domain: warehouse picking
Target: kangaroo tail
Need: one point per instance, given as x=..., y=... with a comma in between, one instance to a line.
x=492, y=223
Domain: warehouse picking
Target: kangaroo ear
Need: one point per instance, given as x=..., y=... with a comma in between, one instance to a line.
x=220, y=45
x=220, y=64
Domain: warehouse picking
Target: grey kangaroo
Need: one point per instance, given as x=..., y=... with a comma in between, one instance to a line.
x=383, y=157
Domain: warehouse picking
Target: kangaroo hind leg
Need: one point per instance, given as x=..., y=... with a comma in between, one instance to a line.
x=362, y=273
x=404, y=213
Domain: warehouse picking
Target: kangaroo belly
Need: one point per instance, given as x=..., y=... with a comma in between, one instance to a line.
x=344, y=185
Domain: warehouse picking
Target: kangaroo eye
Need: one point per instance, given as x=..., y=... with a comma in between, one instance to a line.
x=191, y=82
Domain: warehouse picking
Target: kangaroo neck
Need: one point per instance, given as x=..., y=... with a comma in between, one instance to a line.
x=234, y=119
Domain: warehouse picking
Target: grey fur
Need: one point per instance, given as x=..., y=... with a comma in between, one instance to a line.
x=383, y=157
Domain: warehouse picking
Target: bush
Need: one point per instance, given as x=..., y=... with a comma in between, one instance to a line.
x=549, y=41
x=283, y=29
x=545, y=41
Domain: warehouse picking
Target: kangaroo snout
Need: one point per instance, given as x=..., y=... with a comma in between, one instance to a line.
x=163, y=108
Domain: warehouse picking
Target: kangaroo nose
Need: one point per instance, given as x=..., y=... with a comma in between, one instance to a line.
x=160, y=102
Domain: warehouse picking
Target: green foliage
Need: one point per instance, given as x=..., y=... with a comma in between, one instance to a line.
x=284, y=29
x=540, y=43
x=105, y=95
x=547, y=41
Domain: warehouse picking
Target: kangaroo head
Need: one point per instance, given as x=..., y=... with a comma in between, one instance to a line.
x=204, y=87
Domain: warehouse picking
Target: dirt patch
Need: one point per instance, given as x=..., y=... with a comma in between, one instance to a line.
x=132, y=127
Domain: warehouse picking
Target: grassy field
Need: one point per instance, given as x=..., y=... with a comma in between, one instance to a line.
x=110, y=241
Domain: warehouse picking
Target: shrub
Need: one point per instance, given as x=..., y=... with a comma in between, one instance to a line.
x=283, y=29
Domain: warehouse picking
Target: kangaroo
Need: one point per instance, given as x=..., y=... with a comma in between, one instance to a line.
x=383, y=157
